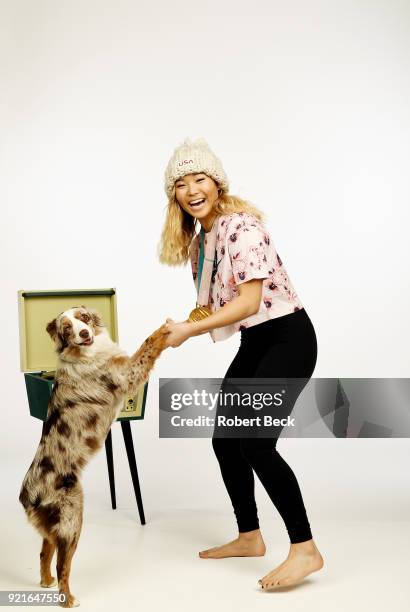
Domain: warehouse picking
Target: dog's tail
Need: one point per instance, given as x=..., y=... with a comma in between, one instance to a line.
x=142, y=362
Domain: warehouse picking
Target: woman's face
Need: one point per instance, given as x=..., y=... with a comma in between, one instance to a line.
x=197, y=194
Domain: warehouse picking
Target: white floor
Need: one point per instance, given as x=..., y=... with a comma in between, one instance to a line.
x=120, y=565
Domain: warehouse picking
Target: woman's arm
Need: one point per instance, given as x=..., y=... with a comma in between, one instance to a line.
x=244, y=305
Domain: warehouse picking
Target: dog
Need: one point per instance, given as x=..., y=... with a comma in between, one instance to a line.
x=93, y=375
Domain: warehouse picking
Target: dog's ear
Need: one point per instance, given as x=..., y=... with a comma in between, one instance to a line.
x=96, y=318
x=52, y=328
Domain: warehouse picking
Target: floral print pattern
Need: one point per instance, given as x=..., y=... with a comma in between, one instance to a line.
x=245, y=251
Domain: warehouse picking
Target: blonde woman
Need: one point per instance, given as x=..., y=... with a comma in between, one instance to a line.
x=242, y=287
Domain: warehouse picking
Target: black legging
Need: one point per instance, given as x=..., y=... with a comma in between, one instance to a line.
x=278, y=348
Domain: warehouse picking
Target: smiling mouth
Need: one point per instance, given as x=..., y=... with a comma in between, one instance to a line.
x=196, y=203
x=87, y=342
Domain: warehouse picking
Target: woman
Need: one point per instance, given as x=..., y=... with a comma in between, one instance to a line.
x=244, y=287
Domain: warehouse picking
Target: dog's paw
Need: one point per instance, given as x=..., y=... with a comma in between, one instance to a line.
x=158, y=338
x=50, y=584
x=72, y=602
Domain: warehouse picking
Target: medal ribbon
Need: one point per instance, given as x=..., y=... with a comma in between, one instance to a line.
x=205, y=264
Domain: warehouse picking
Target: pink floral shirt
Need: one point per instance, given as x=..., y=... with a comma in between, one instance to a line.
x=245, y=251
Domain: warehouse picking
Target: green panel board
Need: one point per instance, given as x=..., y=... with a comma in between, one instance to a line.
x=38, y=308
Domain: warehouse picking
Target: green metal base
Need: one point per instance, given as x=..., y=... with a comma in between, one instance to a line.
x=39, y=386
x=38, y=393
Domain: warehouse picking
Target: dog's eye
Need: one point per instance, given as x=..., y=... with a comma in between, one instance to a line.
x=85, y=318
x=66, y=331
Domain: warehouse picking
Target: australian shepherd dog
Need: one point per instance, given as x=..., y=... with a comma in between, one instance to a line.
x=93, y=375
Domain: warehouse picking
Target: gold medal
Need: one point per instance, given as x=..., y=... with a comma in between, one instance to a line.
x=199, y=313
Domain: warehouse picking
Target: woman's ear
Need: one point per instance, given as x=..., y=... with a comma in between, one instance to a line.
x=52, y=328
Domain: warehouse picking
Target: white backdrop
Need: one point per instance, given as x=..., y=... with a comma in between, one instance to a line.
x=307, y=105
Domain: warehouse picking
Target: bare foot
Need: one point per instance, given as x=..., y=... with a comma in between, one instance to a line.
x=247, y=544
x=303, y=559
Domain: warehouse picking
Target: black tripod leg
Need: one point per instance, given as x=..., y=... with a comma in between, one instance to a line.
x=110, y=465
x=126, y=432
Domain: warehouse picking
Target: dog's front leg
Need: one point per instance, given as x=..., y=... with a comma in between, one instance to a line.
x=142, y=362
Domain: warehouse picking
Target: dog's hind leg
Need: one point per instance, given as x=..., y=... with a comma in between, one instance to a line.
x=65, y=551
x=68, y=535
x=46, y=555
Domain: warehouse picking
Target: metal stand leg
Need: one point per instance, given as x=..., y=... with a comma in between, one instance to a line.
x=126, y=432
x=110, y=465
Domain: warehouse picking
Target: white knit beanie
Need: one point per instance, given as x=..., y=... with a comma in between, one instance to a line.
x=194, y=157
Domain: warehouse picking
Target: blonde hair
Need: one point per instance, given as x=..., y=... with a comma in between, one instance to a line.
x=179, y=227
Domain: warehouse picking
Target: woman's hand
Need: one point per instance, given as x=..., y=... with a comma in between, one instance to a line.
x=178, y=332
